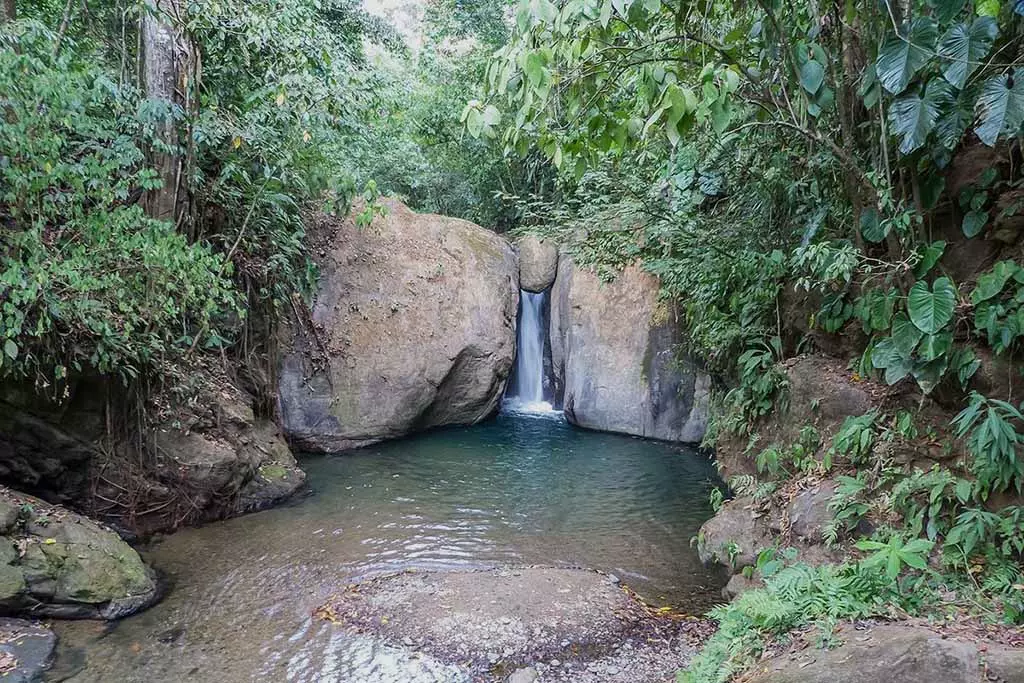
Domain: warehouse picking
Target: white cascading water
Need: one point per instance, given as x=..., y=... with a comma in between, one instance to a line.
x=527, y=393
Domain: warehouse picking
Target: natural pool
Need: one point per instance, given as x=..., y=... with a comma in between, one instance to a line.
x=518, y=490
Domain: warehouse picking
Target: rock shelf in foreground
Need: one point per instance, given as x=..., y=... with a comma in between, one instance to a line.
x=567, y=624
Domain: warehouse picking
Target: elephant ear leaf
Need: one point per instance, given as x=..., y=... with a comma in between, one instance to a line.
x=902, y=56
x=931, y=310
x=913, y=117
x=1000, y=106
x=966, y=46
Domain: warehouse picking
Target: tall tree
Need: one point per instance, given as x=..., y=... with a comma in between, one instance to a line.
x=168, y=64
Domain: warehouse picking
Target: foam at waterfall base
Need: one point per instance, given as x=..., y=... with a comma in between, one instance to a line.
x=531, y=408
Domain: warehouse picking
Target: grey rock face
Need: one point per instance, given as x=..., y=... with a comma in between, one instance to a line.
x=613, y=350
x=214, y=459
x=415, y=328
x=1004, y=665
x=740, y=584
x=809, y=513
x=884, y=655
x=734, y=536
x=538, y=263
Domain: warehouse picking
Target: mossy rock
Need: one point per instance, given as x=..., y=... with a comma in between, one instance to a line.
x=58, y=563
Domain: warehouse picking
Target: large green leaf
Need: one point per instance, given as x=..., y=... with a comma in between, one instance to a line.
x=991, y=283
x=886, y=356
x=872, y=228
x=912, y=118
x=812, y=75
x=987, y=8
x=966, y=46
x=930, y=374
x=869, y=89
x=931, y=310
x=1000, y=106
x=905, y=335
x=930, y=255
x=903, y=54
x=974, y=223
x=894, y=353
x=956, y=112
x=936, y=345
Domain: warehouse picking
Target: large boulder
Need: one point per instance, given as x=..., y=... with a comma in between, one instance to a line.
x=734, y=536
x=226, y=461
x=413, y=327
x=538, y=263
x=56, y=563
x=886, y=654
x=613, y=351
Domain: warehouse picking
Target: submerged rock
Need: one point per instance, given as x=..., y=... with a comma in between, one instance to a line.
x=615, y=349
x=56, y=563
x=26, y=650
x=538, y=263
x=521, y=624
x=414, y=326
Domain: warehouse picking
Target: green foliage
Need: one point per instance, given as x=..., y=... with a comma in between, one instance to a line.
x=990, y=427
x=285, y=113
x=793, y=596
x=931, y=311
x=856, y=437
x=998, y=312
x=87, y=281
x=760, y=383
x=897, y=554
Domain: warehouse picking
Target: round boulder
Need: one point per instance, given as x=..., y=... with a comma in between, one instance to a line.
x=56, y=563
x=538, y=263
x=413, y=327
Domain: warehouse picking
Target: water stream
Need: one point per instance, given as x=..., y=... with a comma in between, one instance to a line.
x=518, y=490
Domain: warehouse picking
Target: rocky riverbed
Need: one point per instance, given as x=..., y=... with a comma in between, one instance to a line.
x=521, y=624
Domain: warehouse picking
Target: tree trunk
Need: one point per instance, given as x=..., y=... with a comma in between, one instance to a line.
x=7, y=11
x=167, y=62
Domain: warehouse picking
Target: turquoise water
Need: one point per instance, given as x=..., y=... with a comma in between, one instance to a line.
x=518, y=490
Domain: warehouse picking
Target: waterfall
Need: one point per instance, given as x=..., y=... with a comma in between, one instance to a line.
x=526, y=388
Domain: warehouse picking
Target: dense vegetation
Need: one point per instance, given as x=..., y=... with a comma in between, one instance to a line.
x=758, y=154
x=746, y=153
x=158, y=158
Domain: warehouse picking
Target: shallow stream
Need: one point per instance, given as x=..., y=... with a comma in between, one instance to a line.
x=518, y=490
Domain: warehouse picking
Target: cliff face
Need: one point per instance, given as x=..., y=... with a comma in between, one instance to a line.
x=614, y=354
